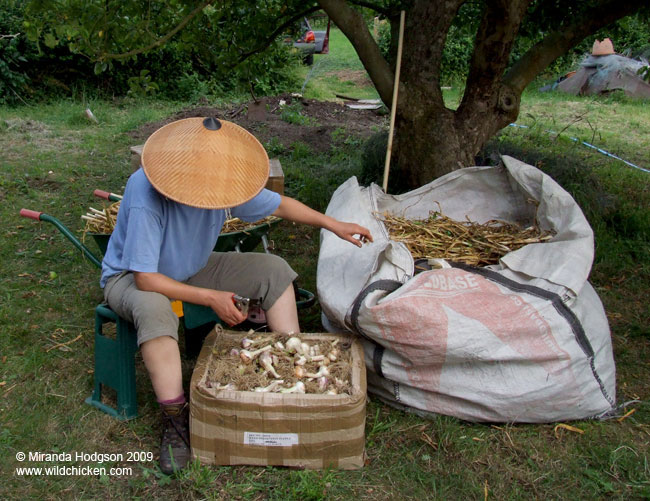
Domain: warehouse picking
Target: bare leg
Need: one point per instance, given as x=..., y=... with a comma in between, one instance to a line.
x=283, y=315
x=163, y=361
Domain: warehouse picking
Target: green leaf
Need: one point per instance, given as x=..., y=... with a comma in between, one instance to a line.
x=50, y=40
x=100, y=67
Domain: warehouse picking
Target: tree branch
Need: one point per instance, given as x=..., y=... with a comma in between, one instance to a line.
x=276, y=32
x=560, y=41
x=162, y=40
x=352, y=24
x=377, y=8
x=423, y=47
x=494, y=40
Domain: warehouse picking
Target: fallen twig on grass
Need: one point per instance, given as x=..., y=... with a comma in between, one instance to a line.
x=566, y=427
x=626, y=415
x=9, y=389
x=59, y=345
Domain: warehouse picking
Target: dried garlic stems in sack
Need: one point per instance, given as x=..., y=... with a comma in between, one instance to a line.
x=461, y=241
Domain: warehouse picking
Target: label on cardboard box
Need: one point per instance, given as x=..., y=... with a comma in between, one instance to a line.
x=270, y=439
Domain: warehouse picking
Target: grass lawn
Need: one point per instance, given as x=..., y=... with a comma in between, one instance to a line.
x=52, y=159
x=339, y=72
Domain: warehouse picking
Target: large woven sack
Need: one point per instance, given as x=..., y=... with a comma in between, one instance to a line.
x=526, y=340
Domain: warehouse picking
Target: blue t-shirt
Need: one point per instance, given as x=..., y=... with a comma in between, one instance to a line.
x=155, y=234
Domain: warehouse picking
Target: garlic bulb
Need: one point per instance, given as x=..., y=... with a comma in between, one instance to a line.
x=294, y=345
x=266, y=361
x=299, y=371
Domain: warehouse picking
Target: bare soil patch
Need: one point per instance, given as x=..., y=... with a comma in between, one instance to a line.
x=264, y=120
x=357, y=77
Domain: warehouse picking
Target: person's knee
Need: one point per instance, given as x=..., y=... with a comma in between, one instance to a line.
x=278, y=276
x=276, y=266
x=159, y=344
x=155, y=318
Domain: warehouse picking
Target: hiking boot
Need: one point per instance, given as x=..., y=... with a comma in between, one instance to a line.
x=175, y=442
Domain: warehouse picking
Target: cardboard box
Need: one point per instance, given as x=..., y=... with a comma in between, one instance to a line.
x=297, y=430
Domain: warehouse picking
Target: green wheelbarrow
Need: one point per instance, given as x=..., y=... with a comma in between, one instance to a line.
x=238, y=241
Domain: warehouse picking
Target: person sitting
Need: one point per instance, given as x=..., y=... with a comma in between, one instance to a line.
x=174, y=206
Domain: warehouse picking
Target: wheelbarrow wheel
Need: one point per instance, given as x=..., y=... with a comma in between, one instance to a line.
x=304, y=298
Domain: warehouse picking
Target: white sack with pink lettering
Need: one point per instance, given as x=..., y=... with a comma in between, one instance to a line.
x=526, y=340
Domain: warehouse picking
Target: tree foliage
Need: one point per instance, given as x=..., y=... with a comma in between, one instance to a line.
x=187, y=51
x=431, y=139
x=512, y=42
x=219, y=34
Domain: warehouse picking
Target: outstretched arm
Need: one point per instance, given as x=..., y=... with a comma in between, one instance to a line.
x=296, y=211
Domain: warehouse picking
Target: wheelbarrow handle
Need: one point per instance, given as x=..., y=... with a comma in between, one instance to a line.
x=107, y=196
x=40, y=216
x=32, y=214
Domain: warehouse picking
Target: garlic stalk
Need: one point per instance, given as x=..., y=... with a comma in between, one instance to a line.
x=299, y=387
x=270, y=388
x=228, y=386
x=322, y=371
x=248, y=356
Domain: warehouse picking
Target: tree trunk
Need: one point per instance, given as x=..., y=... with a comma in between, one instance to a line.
x=427, y=145
x=431, y=140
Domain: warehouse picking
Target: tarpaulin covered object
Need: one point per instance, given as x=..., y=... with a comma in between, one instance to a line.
x=602, y=74
x=526, y=340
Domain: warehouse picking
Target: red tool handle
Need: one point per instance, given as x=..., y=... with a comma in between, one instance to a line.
x=32, y=214
x=102, y=194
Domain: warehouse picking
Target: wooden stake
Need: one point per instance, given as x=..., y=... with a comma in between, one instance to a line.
x=393, y=106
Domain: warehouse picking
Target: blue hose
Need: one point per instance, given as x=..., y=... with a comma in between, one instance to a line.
x=585, y=143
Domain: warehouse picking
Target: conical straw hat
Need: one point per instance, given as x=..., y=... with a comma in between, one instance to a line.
x=604, y=48
x=205, y=163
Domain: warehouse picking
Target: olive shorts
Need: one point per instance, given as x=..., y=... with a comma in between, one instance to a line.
x=251, y=274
